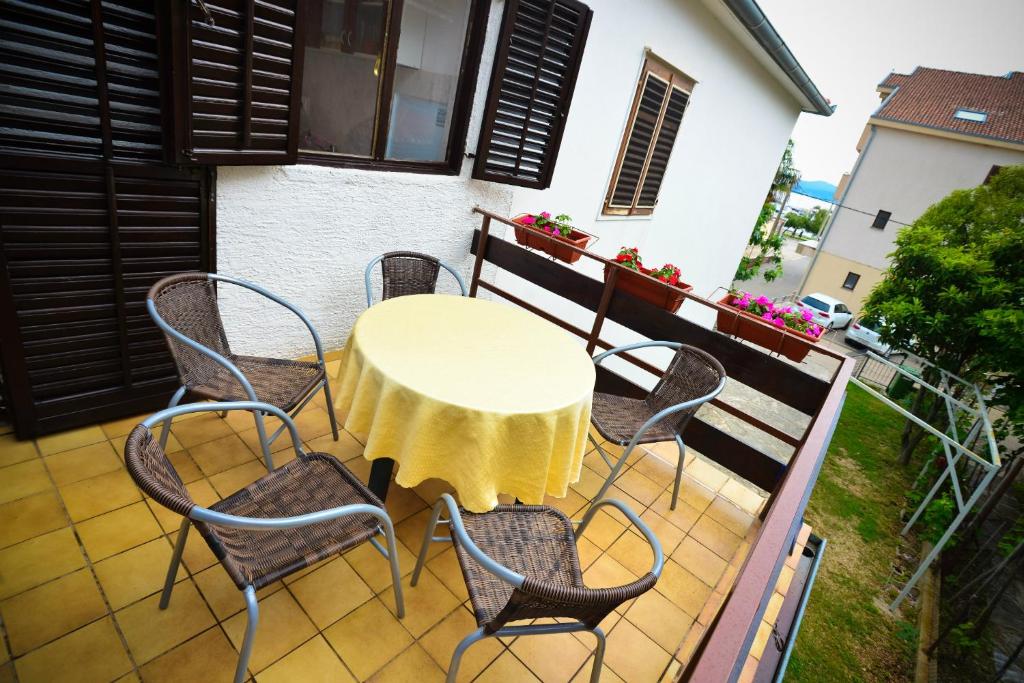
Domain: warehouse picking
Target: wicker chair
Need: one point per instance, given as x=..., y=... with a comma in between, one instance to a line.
x=520, y=562
x=407, y=272
x=185, y=307
x=693, y=378
x=306, y=511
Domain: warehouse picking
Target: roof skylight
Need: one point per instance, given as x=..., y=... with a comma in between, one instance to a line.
x=971, y=115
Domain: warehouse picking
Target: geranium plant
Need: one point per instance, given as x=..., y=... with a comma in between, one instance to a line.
x=780, y=316
x=630, y=257
x=560, y=225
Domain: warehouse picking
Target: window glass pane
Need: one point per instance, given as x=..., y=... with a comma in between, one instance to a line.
x=426, y=75
x=344, y=47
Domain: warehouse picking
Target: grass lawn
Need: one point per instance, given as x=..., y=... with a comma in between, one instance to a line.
x=847, y=632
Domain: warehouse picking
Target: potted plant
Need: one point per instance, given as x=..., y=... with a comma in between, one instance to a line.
x=669, y=298
x=782, y=329
x=530, y=227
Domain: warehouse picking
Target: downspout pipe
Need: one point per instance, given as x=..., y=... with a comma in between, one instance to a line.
x=757, y=24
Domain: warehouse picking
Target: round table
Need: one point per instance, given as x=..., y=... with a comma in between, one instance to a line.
x=488, y=397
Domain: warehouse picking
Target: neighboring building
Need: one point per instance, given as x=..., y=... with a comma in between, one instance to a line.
x=936, y=131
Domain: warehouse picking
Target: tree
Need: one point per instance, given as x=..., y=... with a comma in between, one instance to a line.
x=764, y=248
x=954, y=294
x=812, y=222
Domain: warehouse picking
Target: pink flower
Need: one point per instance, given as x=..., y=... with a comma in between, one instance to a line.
x=545, y=214
x=779, y=322
x=763, y=301
x=528, y=220
x=767, y=315
x=807, y=316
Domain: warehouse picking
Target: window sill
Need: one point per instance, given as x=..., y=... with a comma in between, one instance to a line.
x=435, y=168
x=612, y=217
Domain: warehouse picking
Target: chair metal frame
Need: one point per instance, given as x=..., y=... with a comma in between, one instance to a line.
x=325, y=385
x=369, y=271
x=201, y=514
x=616, y=466
x=514, y=579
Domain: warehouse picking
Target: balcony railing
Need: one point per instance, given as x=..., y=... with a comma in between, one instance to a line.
x=722, y=652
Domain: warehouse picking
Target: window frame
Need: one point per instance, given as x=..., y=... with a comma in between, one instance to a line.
x=674, y=78
x=879, y=218
x=465, y=90
x=856, y=280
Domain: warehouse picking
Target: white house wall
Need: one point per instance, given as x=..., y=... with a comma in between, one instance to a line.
x=307, y=231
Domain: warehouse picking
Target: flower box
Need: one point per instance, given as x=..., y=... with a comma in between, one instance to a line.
x=642, y=287
x=793, y=344
x=536, y=239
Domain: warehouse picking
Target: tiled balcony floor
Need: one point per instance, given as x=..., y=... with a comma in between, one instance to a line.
x=83, y=555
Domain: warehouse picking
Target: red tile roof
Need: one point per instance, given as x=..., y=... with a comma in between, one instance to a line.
x=930, y=98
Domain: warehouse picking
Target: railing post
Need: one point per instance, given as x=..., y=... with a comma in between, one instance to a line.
x=602, y=309
x=481, y=248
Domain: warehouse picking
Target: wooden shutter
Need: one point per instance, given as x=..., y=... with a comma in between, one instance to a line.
x=239, y=75
x=654, y=123
x=537, y=61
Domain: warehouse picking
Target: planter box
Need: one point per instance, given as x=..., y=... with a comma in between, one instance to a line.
x=785, y=340
x=670, y=298
x=535, y=238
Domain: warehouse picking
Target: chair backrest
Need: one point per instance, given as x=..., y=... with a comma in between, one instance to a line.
x=692, y=374
x=153, y=472
x=408, y=272
x=188, y=303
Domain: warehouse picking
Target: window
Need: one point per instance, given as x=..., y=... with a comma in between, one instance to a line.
x=389, y=83
x=816, y=304
x=851, y=281
x=658, y=106
x=539, y=53
x=881, y=220
x=971, y=115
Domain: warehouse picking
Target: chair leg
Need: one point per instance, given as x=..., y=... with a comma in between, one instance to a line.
x=253, y=612
x=167, y=423
x=679, y=470
x=595, y=673
x=172, y=571
x=261, y=434
x=396, y=573
x=330, y=408
x=427, y=539
x=613, y=475
x=453, y=666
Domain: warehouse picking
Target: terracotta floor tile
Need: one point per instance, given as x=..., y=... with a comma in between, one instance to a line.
x=634, y=656
x=639, y=487
x=713, y=535
x=710, y=609
x=507, y=669
x=707, y=474
x=657, y=468
x=232, y=480
x=283, y=626
x=440, y=642
x=37, y=560
x=748, y=499
x=402, y=503
x=690, y=642
x=684, y=516
x=96, y=495
x=700, y=561
x=412, y=529
x=186, y=468
x=633, y=552
x=368, y=638
x=49, y=611
x=252, y=442
x=344, y=449
x=221, y=454
x=553, y=657
x=119, y=530
x=374, y=569
x=572, y=504
x=121, y=427
x=313, y=662
x=221, y=593
x=603, y=529
x=668, y=533
x=81, y=463
x=445, y=566
x=607, y=675
x=200, y=429
x=430, y=490
x=730, y=516
x=330, y=592
x=590, y=483
x=28, y=517
x=197, y=555
x=606, y=572
x=206, y=657
x=683, y=589
x=92, y=653
x=588, y=552
x=23, y=479
x=74, y=438
x=136, y=573
x=660, y=620
x=13, y=451
x=426, y=603
x=151, y=631
x=312, y=422
x=412, y=666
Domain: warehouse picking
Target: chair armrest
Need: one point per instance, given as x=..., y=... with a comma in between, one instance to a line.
x=458, y=277
x=652, y=540
x=276, y=299
x=485, y=560
x=201, y=514
x=224, y=406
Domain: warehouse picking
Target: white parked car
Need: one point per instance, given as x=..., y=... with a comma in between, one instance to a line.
x=830, y=313
x=864, y=333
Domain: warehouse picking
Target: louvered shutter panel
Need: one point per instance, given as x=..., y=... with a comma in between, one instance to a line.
x=645, y=125
x=237, y=98
x=662, y=148
x=538, y=58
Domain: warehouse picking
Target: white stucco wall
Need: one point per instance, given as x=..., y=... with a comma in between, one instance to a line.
x=306, y=232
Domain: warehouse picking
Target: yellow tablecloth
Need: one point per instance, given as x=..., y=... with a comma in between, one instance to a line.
x=488, y=397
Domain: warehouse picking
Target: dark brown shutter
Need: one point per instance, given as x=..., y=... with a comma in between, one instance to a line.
x=645, y=125
x=538, y=58
x=240, y=73
x=662, y=149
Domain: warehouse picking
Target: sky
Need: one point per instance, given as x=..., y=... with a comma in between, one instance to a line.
x=848, y=46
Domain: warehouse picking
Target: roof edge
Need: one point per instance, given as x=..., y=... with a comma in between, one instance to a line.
x=756, y=23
